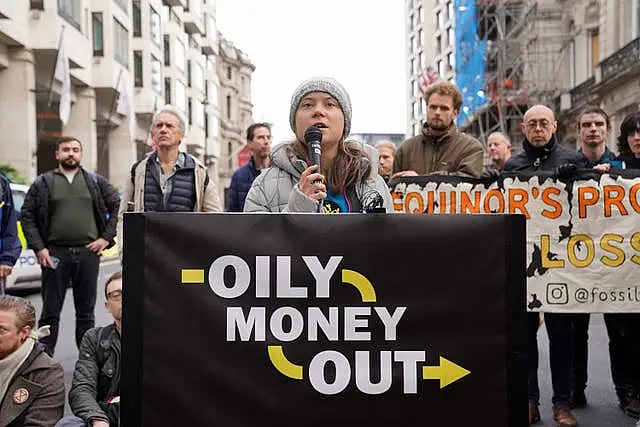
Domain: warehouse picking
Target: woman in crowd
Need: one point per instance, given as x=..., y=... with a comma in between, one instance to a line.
x=629, y=141
x=348, y=180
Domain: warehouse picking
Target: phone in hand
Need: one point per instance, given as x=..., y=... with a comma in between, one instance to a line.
x=54, y=261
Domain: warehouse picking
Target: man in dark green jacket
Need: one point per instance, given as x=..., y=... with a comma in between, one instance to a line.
x=69, y=217
x=94, y=396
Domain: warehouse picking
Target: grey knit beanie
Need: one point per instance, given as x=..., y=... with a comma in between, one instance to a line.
x=326, y=85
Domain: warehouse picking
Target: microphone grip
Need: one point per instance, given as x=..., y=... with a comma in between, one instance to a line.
x=314, y=154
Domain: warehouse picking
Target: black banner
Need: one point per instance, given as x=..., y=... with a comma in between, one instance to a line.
x=323, y=320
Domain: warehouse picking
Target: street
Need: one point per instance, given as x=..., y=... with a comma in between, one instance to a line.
x=601, y=412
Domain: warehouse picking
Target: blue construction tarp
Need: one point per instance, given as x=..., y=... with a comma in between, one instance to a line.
x=470, y=59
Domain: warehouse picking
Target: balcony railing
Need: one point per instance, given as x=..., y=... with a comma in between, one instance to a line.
x=621, y=60
x=581, y=91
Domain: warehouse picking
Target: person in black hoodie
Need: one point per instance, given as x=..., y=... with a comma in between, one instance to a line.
x=542, y=152
x=629, y=141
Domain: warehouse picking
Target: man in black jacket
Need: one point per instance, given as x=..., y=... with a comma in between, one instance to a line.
x=69, y=217
x=94, y=396
x=542, y=152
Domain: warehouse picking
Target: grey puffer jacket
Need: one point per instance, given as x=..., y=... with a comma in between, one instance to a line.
x=276, y=189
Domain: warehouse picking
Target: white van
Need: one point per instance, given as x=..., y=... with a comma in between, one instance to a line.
x=26, y=273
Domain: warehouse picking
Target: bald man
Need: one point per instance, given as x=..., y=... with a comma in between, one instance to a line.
x=542, y=152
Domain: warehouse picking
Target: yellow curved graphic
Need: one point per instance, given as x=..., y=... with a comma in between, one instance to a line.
x=282, y=364
x=361, y=283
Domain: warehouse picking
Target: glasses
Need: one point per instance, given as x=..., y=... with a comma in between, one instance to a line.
x=115, y=295
x=533, y=124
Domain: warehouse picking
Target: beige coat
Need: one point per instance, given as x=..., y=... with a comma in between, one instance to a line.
x=133, y=195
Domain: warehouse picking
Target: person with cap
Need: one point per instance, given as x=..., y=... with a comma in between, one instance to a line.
x=348, y=177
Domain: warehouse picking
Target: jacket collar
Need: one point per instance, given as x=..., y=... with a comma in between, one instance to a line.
x=441, y=139
x=540, y=152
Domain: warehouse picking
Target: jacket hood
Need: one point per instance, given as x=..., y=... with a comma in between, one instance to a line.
x=284, y=159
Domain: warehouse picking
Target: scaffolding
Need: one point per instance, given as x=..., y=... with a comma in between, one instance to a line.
x=522, y=63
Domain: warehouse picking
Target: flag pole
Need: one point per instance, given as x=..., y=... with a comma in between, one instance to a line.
x=53, y=78
x=111, y=109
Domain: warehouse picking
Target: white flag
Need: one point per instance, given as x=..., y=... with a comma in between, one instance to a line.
x=62, y=74
x=124, y=103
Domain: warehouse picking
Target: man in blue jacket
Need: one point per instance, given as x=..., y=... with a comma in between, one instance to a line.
x=259, y=142
x=10, y=246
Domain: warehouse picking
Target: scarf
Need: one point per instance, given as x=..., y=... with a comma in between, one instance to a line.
x=9, y=365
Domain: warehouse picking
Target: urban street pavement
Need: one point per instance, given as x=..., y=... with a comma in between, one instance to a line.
x=601, y=412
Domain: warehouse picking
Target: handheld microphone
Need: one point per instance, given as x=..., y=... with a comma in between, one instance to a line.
x=313, y=138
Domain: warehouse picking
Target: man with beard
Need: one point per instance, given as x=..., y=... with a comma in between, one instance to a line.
x=441, y=149
x=259, y=142
x=31, y=383
x=69, y=217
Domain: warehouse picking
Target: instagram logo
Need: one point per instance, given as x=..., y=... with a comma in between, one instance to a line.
x=557, y=293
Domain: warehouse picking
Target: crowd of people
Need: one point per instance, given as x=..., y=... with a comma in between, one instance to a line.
x=70, y=216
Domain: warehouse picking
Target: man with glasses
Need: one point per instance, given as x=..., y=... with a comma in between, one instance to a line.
x=94, y=396
x=542, y=152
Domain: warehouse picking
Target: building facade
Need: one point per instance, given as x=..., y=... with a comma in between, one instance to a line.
x=234, y=69
x=430, y=46
x=602, y=62
x=127, y=58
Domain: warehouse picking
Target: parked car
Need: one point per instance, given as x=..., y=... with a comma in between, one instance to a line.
x=26, y=273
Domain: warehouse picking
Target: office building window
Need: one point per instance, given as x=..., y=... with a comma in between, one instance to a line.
x=198, y=112
x=198, y=76
x=120, y=43
x=421, y=15
x=412, y=44
x=451, y=61
x=441, y=70
x=180, y=54
x=594, y=51
x=181, y=96
x=229, y=107
x=167, y=90
x=70, y=11
x=450, y=10
x=136, y=19
x=121, y=3
x=452, y=36
x=415, y=90
x=189, y=74
x=36, y=5
x=439, y=20
x=195, y=7
x=438, y=44
x=156, y=75
x=154, y=26
x=167, y=50
x=229, y=73
x=190, y=110
x=411, y=22
x=97, y=31
x=137, y=68
x=213, y=95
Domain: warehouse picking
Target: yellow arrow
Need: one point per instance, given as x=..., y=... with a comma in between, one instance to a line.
x=448, y=372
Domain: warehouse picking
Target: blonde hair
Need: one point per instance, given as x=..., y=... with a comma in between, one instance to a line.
x=387, y=144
